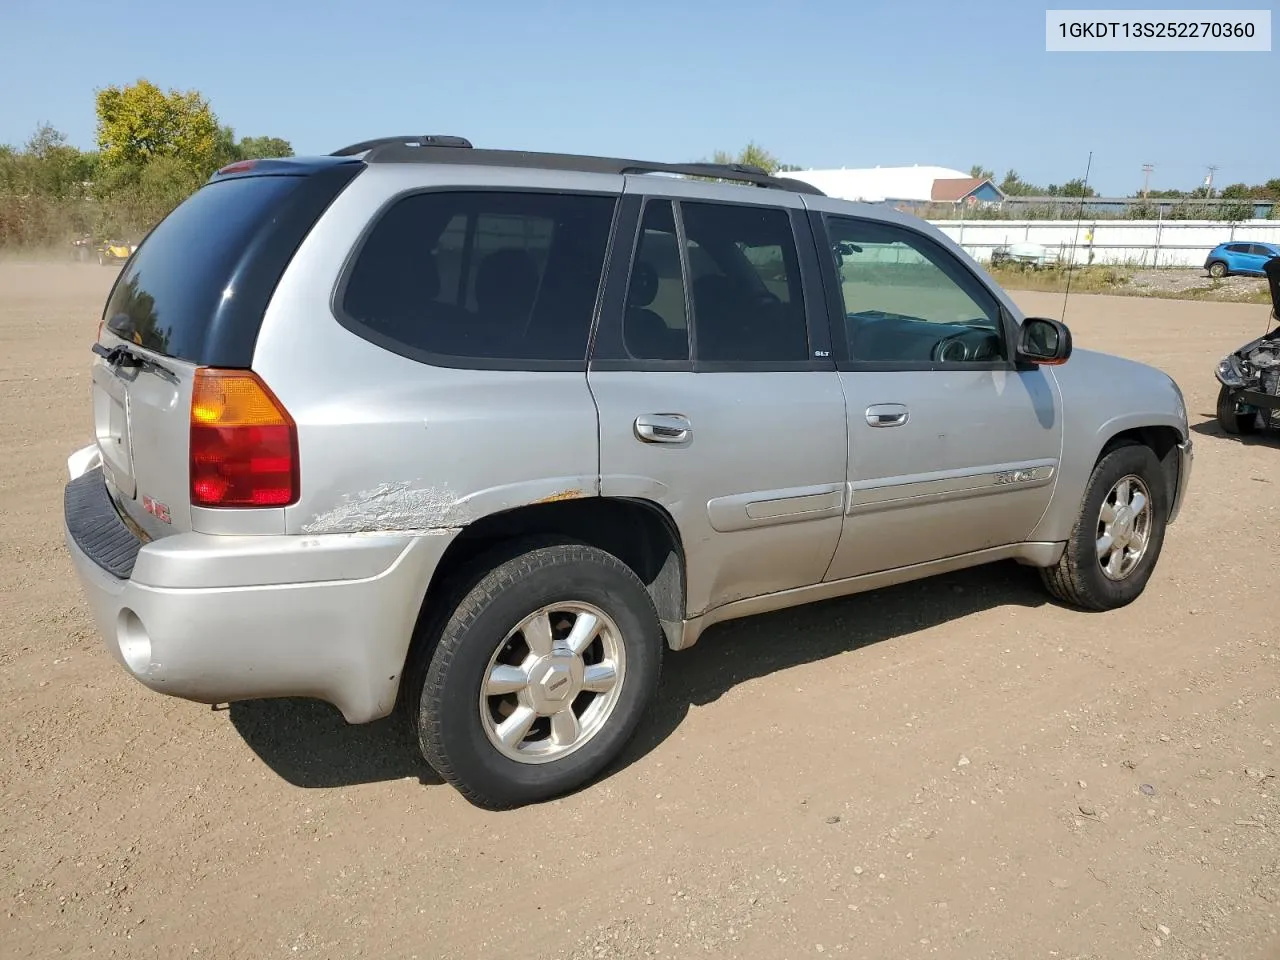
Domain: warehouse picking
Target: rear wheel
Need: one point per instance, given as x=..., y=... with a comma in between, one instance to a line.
x=1217, y=269
x=1117, y=537
x=540, y=675
x=1230, y=418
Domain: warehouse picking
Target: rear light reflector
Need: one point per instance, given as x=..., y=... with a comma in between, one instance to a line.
x=244, y=444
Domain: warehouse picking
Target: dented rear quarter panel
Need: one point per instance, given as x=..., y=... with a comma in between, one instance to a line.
x=390, y=443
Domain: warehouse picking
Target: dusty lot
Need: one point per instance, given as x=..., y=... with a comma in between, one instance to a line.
x=900, y=774
x=1175, y=283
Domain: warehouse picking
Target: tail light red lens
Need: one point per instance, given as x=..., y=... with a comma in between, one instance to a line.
x=244, y=444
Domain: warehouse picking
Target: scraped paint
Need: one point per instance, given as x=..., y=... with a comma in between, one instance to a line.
x=398, y=506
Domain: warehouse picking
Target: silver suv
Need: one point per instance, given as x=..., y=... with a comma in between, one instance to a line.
x=478, y=433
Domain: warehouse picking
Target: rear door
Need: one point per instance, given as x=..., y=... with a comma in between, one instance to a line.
x=952, y=449
x=716, y=393
x=1238, y=257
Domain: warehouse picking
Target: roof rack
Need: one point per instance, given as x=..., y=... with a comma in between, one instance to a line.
x=431, y=139
x=448, y=149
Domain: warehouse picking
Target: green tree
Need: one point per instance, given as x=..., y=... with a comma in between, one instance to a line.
x=1014, y=186
x=229, y=149
x=261, y=148
x=1077, y=188
x=752, y=154
x=979, y=172
x=47, y=166
x=226, y=150
x=139, y=123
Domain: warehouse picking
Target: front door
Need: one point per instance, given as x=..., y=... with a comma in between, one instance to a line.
x=1257, y=258
x=951, y=448
x=716, y=393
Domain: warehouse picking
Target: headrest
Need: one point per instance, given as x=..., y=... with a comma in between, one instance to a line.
x=644, y=285
x=507, y=276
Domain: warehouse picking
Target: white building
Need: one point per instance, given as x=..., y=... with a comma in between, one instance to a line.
x=914, y=184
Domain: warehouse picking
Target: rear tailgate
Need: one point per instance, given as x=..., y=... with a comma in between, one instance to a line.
x=142, y=424
x=193, y=296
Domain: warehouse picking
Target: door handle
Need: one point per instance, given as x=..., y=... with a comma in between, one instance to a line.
x=663, y=428
x=887, y=414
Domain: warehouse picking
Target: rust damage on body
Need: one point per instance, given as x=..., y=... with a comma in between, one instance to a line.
x=572, y=494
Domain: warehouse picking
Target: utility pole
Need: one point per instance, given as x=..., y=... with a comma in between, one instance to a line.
x=1146, y=178
x=1208, y=181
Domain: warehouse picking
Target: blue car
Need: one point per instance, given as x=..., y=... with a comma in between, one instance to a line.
x=1240, y=257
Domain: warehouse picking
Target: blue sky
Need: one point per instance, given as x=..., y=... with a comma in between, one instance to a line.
x=819, y=83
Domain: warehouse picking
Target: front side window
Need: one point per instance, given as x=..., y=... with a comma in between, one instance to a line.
x=505, y=276
x=906, y=300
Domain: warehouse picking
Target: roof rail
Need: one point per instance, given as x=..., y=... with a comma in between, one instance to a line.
x=431, y=139
x=432, y=150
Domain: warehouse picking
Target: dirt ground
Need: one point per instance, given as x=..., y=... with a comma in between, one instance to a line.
x=956, y=768
x=1168, y=282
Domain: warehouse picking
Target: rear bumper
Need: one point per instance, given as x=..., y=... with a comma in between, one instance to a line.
x=217, y=619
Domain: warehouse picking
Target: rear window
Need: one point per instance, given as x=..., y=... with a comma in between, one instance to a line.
x=168, y=295
x=492, y=276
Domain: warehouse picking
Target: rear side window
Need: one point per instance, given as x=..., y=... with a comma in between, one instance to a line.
x=509, y=277
x=656, y=324
x=170, y=293
x=744, y=282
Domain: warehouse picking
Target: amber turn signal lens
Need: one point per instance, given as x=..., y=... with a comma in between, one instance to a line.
x=244, y=444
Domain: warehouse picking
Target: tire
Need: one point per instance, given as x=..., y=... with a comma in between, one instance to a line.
x=1078, y=577
x=457, y=726
x=1217, y=269
x=1231, y=421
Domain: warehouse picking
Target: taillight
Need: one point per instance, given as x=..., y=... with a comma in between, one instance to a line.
x=244, y=444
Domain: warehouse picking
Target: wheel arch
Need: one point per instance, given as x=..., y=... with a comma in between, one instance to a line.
x=1162, y=439
x=1160, y=433
x=640, y=533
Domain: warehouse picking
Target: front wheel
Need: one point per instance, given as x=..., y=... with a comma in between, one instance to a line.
x=1118, y=534
x=1217, y=269
x=540, y=676
x=1230, y=418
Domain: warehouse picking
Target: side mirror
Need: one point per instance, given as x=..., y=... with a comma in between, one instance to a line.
x=1043, y=342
